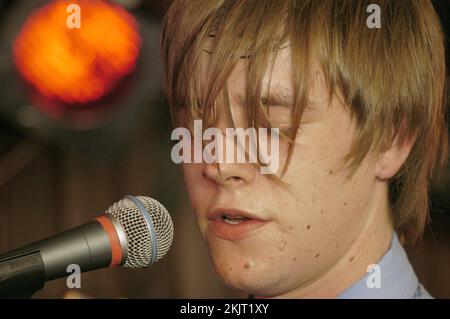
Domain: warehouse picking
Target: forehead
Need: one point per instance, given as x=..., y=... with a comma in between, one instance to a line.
x=278, y=75
x=277, y=72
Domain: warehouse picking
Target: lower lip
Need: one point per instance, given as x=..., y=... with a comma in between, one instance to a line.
x=235, y=232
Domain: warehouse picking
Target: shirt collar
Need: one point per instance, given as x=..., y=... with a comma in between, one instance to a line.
x=397, y=277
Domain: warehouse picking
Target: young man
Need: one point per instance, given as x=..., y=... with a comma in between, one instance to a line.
x=361, y=117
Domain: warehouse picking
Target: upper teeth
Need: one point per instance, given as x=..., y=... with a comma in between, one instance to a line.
x=233, y=219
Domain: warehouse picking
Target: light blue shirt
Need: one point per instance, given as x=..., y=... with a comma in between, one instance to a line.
x=397, y=279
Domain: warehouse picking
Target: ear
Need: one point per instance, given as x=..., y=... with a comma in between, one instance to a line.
x=391, y=160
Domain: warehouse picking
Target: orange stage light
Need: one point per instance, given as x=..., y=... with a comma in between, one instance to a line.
x=77, y=66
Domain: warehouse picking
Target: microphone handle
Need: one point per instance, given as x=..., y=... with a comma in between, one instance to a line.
x=22, y=276
x=87, y=246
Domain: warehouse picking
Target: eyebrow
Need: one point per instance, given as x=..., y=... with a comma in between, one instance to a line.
x=241, y=57
x=279, y=97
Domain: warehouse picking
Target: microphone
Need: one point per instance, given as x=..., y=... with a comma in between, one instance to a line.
x=135, y=232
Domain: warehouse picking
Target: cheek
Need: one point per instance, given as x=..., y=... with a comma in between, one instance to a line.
x=324, y=207
x=195, y=185
x=321, y=184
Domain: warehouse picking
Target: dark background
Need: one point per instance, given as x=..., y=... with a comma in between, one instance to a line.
x=54, y=177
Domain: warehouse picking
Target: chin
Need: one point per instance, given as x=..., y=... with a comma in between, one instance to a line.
x=253, y=282
x=246, y=272
x=249, y=282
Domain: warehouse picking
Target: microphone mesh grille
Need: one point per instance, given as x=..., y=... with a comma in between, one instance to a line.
x=139, y=238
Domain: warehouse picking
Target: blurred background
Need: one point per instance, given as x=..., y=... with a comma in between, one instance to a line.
x=83, y=121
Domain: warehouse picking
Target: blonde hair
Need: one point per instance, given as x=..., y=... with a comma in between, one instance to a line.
x=392, y=77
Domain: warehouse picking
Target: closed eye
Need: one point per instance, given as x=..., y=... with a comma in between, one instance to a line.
x=279, y=116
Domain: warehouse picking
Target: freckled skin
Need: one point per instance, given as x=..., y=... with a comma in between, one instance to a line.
x=316, y=183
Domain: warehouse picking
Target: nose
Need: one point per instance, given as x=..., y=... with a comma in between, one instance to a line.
x=230, y=174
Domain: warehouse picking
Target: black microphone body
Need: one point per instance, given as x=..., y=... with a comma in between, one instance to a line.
x=133, y=233
x=87, y=246
x=75, y=246
x=21, y=275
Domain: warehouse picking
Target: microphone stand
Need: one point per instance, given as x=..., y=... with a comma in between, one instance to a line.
x=22, y=274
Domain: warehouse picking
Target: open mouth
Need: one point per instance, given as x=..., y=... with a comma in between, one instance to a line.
x=232, y=220
x=233, y=225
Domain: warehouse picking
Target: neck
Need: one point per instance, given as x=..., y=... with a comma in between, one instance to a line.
x=370, y=246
